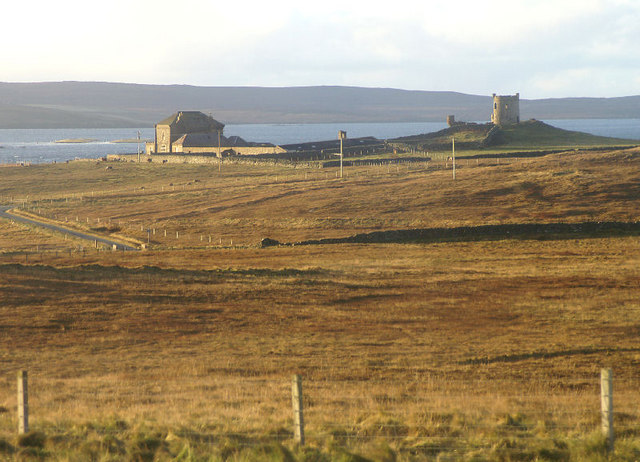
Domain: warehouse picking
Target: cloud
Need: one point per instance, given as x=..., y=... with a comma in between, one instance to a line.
x=538, y=47
x=572, y=82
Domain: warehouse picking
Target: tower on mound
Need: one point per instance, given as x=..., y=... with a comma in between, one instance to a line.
x=506, y=109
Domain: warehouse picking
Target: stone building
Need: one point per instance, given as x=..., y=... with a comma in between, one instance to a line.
x=206, y=143
x=192, y=132
x=171, y=129
x=506, y=109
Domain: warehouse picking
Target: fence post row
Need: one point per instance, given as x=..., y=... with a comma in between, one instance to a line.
x=23, y=403
x=298, y=420
x=606, y=401
x=606, y=395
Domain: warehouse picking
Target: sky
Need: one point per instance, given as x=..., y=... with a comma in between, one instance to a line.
x=539, y=48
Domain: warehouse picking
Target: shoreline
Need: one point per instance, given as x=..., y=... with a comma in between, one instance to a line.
x=76, y=140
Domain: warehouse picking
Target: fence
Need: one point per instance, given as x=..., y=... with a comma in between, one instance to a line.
x=364, y=168
x=438, y=431
x=75, y=210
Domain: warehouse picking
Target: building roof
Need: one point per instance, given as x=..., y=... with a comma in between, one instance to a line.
x=192, y=122
x=210, y=140
x=332, y=144
x=200, y=140
x=236, y=141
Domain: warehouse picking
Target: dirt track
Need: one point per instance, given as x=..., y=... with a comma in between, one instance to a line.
x=4, y=213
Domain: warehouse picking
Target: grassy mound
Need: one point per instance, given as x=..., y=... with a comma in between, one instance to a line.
x=467, y=135
x=532, y=134
x=536, y=133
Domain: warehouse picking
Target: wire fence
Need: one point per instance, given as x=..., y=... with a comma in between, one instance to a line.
x=364, y=169
x=432, y=415
x=75, y=211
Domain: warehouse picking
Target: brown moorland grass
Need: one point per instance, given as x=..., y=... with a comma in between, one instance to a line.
x=411, y=342
x=471, y=349
x=244, y=205
x=18, y=238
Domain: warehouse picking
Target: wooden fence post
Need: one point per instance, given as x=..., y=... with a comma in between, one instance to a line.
x=606, y=400
x=23, y=403
x=298, y=420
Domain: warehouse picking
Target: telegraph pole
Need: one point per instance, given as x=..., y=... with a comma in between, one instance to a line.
x=219, y=154
x=341, y=135
x=453, y=150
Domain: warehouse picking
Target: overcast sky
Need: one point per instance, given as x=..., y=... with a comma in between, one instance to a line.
x=540, y=48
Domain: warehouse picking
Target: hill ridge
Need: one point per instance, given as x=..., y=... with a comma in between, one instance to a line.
x=77, y=104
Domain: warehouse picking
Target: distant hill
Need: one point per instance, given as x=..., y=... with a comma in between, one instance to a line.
x=99, y=104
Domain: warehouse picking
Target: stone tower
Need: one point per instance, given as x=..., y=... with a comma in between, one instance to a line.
x=506, y=109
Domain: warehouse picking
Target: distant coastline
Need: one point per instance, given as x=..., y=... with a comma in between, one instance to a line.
x=132, y=140
x=38, y=146
x=76, y=140
x=95, y=140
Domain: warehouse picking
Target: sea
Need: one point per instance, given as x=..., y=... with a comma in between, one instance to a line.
x=36, y=146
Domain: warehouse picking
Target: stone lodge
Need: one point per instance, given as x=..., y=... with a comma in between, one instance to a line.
x=192, y=132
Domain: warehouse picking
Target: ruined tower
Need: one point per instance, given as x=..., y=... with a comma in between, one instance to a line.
x=506, y=109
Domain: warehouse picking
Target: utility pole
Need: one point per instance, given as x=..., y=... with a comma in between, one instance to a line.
x=219, y=154
x=453, y=149
x=341, y=135
x=138, y=146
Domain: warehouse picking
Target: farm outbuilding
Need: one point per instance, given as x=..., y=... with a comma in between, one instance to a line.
x=193, y=132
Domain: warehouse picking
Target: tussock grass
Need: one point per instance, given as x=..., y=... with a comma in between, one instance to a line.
x=463, y=350
x=383, y=340
x=241, y=206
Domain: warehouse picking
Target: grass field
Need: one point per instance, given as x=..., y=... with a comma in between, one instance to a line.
x=485, y=350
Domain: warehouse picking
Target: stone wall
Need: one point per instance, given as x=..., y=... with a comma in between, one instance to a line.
x=163, y=138
x=210, y=159
x=164, y=159
x=208, y=150
x=239, y=150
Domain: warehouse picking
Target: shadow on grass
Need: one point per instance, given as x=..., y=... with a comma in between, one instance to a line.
x=545, y=355
x=94, y=271
x=530, y=231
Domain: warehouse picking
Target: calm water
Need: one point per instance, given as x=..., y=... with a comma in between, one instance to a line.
x=38, y=146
